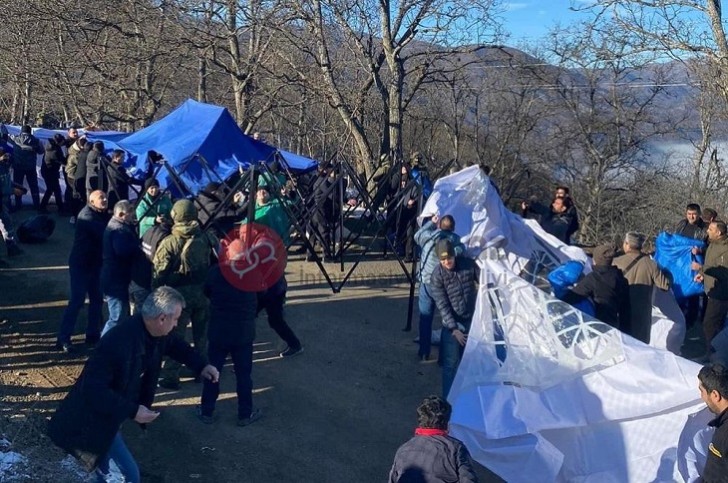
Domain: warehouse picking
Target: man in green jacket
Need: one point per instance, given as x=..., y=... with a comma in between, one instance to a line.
x=714, y=275
x=182, y=261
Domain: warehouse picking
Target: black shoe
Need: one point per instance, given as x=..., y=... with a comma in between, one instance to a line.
x=170, y=384
x=291, y=351
x=66, y=348
x=255, y=415
x=14, y=250
x=203, y=417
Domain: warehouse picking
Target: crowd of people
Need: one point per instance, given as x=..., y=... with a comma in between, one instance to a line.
x=155, y=263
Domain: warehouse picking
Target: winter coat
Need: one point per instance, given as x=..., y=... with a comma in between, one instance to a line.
x=427, y=238
x=26, y=149
x=454, y=292
x=607, y=288
x=80, y=171
x=120, y=249
x=87, y=249
x=642, y=278
x=117, y=182
x=5, y=176
x=183, y=258
x=275, y=217
x=52, y=159
x=232, y=311
x=72, y=160
x=716, y=466
x=560, y=225
x=120, y=374
x=93, y=170
x=149, y=209
x=141, y=272
x=432, y=459
x=696, y=231
x=224, y=220
x=715, y=269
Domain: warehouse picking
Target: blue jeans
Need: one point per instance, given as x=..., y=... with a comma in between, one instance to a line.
x=426, y=305
x=122, y=458
x=450, y=354
x=83, y=281
x=242, y=355
x=118, y=309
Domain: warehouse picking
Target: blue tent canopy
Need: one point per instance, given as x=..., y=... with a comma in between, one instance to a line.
x=201, y=142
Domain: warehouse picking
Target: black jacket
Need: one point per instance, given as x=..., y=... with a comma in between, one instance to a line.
x=232, y=311
x=120, y=249
x=88, y=239
x=696, y=231
x=121, y=373
x=52, y=158
x=607, y=288
x=716, y=467
x=117, y=181
x=560, y=225
x=432, y=459
x=454, y=292
x=225, y=220
x=141, y=272
x=81, y=157
x=26, y=149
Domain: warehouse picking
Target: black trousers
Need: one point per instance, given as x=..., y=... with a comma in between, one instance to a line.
x=272, y=301
x=53, y=187
x=31, y=176
x=714, y=319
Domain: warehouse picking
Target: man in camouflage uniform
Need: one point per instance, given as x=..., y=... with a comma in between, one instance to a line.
x=182, y=261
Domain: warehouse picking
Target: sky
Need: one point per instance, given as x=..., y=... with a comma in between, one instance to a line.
x=529, y=20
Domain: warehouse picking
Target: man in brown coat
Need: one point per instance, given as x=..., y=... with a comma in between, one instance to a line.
x=714, y=275
x=643, y=275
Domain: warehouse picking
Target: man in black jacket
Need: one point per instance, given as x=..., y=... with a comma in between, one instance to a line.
x=84, y=267
x=118, y=383
x=117, y=179
x=714, y=391
x=53, y=159
x=231, y=331
x=453, y=288
x=26, y=149
x=432, y=456
x=120, y=250
x=606, y=287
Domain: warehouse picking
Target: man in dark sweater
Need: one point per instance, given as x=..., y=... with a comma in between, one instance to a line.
x=84, y=266
x=118, y=383
x=453, y=288
x=231, y=331
x=606, y=287
x=432, y=456
x=714, y=391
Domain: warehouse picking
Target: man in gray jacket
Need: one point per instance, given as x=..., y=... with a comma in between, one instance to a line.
x=426, y=238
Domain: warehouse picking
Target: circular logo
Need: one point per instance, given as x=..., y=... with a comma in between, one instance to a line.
x=252, y=258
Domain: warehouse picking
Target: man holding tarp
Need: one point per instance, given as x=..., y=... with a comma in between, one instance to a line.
x=714, y=275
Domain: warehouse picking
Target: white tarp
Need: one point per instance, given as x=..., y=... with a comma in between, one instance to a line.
x=544, y=392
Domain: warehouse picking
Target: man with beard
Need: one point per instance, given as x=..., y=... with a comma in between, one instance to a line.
x=714, y=275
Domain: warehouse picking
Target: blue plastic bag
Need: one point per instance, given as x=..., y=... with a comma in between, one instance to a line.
x=565, y=276
x=674, y=255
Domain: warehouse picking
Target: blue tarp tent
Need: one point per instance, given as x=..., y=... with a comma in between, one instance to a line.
x=190, y=137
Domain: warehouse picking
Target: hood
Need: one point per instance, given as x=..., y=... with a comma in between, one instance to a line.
x=187, y=229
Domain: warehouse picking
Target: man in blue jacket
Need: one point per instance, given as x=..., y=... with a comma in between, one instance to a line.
x=120, y=250
x=426, y=238
x=84, y=267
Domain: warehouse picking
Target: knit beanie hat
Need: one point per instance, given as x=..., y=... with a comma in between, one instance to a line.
x=150, y=182
x=183, y=211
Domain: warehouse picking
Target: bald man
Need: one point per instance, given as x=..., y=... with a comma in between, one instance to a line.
x=84, y=267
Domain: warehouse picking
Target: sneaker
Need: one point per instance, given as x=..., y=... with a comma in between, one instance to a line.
x=170, y=384
x=203, y=417
x=291, y=351
x=255, y=415
x=66, y=348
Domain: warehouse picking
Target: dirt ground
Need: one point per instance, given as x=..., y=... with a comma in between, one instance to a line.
x=336, y=413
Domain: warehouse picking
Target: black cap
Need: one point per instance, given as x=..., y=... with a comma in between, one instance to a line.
x=445, y=249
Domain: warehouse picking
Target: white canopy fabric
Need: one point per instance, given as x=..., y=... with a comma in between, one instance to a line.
x=544, y=392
